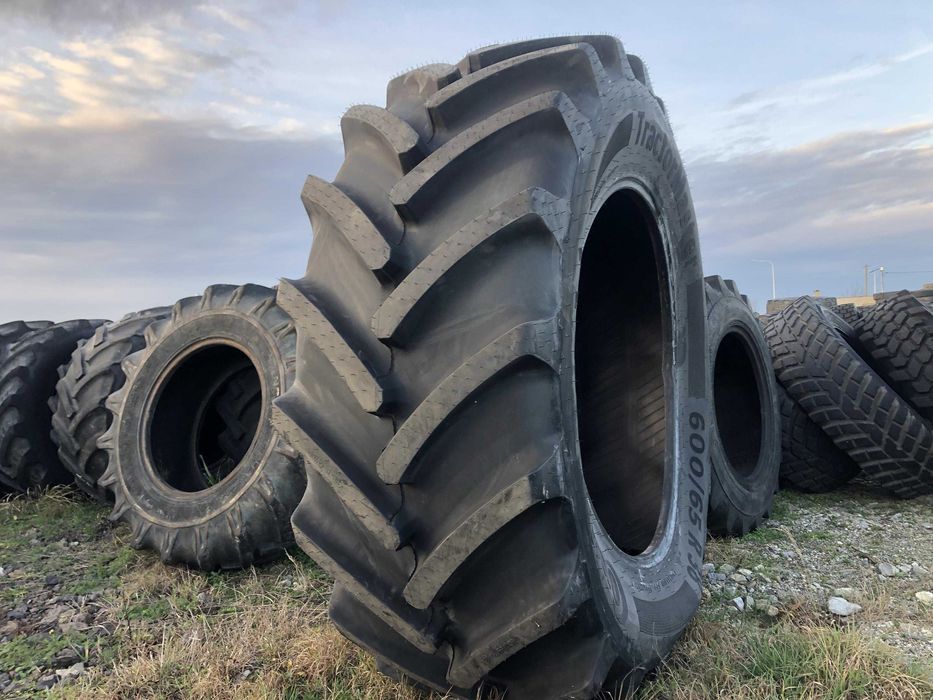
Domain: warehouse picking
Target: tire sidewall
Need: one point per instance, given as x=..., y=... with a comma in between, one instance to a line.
x=152, y=497
x=751, y=493
x=668, y=574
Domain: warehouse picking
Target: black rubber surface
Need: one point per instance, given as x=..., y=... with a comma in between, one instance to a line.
x=12, y=331
x=27, y=380
x=849, y=313
x=818, y=360
x=810, y=460
x=745, y=447
x=494, y=432
x=898, y=333
x=172, y=481
x=79, y=416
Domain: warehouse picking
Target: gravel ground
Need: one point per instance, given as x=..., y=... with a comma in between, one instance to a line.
x=84, y=616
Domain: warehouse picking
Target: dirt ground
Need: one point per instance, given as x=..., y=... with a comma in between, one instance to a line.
x=84, y=616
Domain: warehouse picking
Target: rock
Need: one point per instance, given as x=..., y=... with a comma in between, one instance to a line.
x=9, y=629
x=55, y=613
x=71, y=672
x=739, y=578
x=924, y=597
x=204, y=598
x=772, y=611
x=16, y=614
x=46, y=682
x=862, y=524
x=749, y=602
x=846, y=593
x=52, y=580
x=726, y=569
x=707, y=568
x=717, y=577
x=886, y=569
x=917, y=570
x=66, y=657
x=747, y=573
x=842, y=607
x=739, y=603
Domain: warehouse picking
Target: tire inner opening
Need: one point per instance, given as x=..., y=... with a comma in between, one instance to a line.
x=621, y=362
x=205, y=418
x=737, y=403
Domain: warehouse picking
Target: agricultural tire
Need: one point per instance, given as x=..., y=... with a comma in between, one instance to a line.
x=898, y=334
x=12, y=331
x=849, y=313
x=79, y=416
x=172, y=482
x=822, y=365
x=27, y=380
x=745, y=442
x=501, y=391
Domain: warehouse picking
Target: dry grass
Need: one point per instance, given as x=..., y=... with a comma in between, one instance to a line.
x=799, y=658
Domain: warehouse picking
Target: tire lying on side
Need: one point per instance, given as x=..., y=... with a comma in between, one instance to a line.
x=496, y=422
x=79, y=416
x=898, y=334
x=27, y=380
x=849, y=313
x=745, y=442
x=810, y=460
x=172, y=482
x=822, y=365
x=11, y=331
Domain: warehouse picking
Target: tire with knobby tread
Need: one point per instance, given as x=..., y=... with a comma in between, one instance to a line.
x=27, y=380
x=849, y=313
x=79, y=416
x=810, y=460
x=818, y=360
x=898, y=333
x=452, y=326
x=745, y=443
x=239, y=406
x=165, y=427
x=12, y=331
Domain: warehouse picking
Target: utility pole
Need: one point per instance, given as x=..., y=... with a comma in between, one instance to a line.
x=866, y=280
x=773, y=284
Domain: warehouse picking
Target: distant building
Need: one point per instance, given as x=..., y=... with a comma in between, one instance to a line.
x=776, y=305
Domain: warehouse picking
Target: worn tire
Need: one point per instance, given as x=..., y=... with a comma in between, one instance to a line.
x=239, y=406
x=444, y=361
x=745, y=442
x=898, y=333
x=849, y=313
x=12, y=331
x=27, y=380
x=79, y=416
x=171, y=481
x=817, y=359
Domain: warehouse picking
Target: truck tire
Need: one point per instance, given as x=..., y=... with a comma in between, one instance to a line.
x=27, y=380
x=79, y=416
x=849, y=313
x=181, y=494
x=810, y=460
x=819, y=360
x=465, y=335
x=745, y=442
x=12, y=331
x=898, y=333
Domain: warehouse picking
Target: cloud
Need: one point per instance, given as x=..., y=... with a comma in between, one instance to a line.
x=101, y=221
x=76, y=15
x=821, y=210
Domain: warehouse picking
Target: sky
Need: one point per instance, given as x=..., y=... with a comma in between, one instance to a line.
x=149, y=148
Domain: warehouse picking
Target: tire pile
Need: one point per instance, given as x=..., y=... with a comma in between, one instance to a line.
x=502, y=407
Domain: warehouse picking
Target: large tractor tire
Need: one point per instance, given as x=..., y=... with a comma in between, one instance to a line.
x=501, y=391
x=181, y=493
x=12, y=331
x=898, y=334
x=822, y=365
x=27, y=380
x=79, y=416
x=745, y=441
x=810, y=460
x=849, y=313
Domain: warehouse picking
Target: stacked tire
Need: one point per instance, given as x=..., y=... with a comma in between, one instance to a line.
x=494, y=430
x=858, y=396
